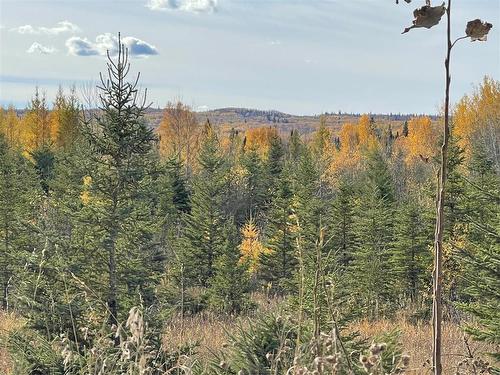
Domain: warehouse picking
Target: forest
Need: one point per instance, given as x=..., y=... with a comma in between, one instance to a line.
x=198, y=248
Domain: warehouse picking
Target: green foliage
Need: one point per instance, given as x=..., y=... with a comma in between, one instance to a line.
x=412, y=250
x=204, y=231
x=32, y=353
x=342, y=224
x=372, y=270
x=256, y=190
x=480, y=252
x=278, y=266
x=229, y=287
x=19, y=196
x=255, y=347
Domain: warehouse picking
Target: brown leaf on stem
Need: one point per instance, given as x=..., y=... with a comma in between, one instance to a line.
x=426, y=16
x=478, y=30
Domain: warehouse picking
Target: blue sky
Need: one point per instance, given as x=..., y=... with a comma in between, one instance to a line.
x=297, y=56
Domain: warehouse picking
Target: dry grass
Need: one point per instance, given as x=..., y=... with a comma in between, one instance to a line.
x=209, y=330
x=417, y=342
x=8, y=323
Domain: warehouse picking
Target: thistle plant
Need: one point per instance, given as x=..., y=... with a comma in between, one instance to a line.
x=428, y=16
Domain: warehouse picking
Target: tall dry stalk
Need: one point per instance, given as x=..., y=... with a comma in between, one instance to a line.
x=437, y=308
x=427, y=17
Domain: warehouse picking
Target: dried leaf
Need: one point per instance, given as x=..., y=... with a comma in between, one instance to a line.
x=478, y=30
x=427, y=16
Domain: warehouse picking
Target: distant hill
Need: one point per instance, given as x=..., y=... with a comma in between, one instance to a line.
x=244, y=118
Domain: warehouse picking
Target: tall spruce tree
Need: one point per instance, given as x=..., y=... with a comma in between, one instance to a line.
x=204, y=231
x=342, y=224
x=229, y=287
x=278, y=265
x=19, y=197
x=372, y=268
x=412, y=250
x=122, y=143
x=256, y=194
x=480, y=252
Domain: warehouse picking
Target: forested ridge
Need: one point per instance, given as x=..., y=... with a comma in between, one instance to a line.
x=110, y=230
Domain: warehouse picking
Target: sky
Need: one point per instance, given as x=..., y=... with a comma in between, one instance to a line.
x=295, y=56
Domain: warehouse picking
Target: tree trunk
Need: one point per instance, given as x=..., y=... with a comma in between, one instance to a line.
x=112, y=294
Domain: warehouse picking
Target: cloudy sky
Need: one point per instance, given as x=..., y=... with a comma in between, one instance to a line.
x=297, y=56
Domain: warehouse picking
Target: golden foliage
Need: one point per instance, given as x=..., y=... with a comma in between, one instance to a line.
x=355, y=141
x=476, y=119
x=179, y=133
x=251, y=248
x=10, y=127
x=260, y=139
x=422, y=140
x=36, y=124
x=85, y=194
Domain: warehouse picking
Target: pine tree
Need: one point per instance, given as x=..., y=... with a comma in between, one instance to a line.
x=295, y=146
x=372, y=270
x=278, y=265
x=121, y=144
x=229, y=287
x=204, y=234
x=255, y=195
x=18, y=200
x=405, y=129
x=275, y=163
x=180, y=193
x=342, y=224
x=480, y=251
x=412, y=248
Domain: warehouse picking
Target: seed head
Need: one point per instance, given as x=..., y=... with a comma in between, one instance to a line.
x=405, y=360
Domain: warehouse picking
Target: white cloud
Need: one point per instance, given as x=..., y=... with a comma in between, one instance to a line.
x=40, y=48
x=197, y=6
x=60, y=28
x=107, y=42
x=274, y=42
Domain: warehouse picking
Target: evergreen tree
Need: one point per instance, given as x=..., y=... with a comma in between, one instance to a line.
x=480, y=252
x=405, y=129
x=278, y=265
x=121, y=144
x=412, y=248
x=342, y=224
x=372, y=269
x=180, y=193
x=229, y=286
x=275, y=163
x=44, y=159
x=295, y=146
x=204, y=234
x=256, y=194
x=18, y=202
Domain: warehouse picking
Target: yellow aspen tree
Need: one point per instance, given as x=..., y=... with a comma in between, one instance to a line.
x=179, y=133
x=421, y=142
x=259, y=139
x=476, y=120
x=366, y=134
